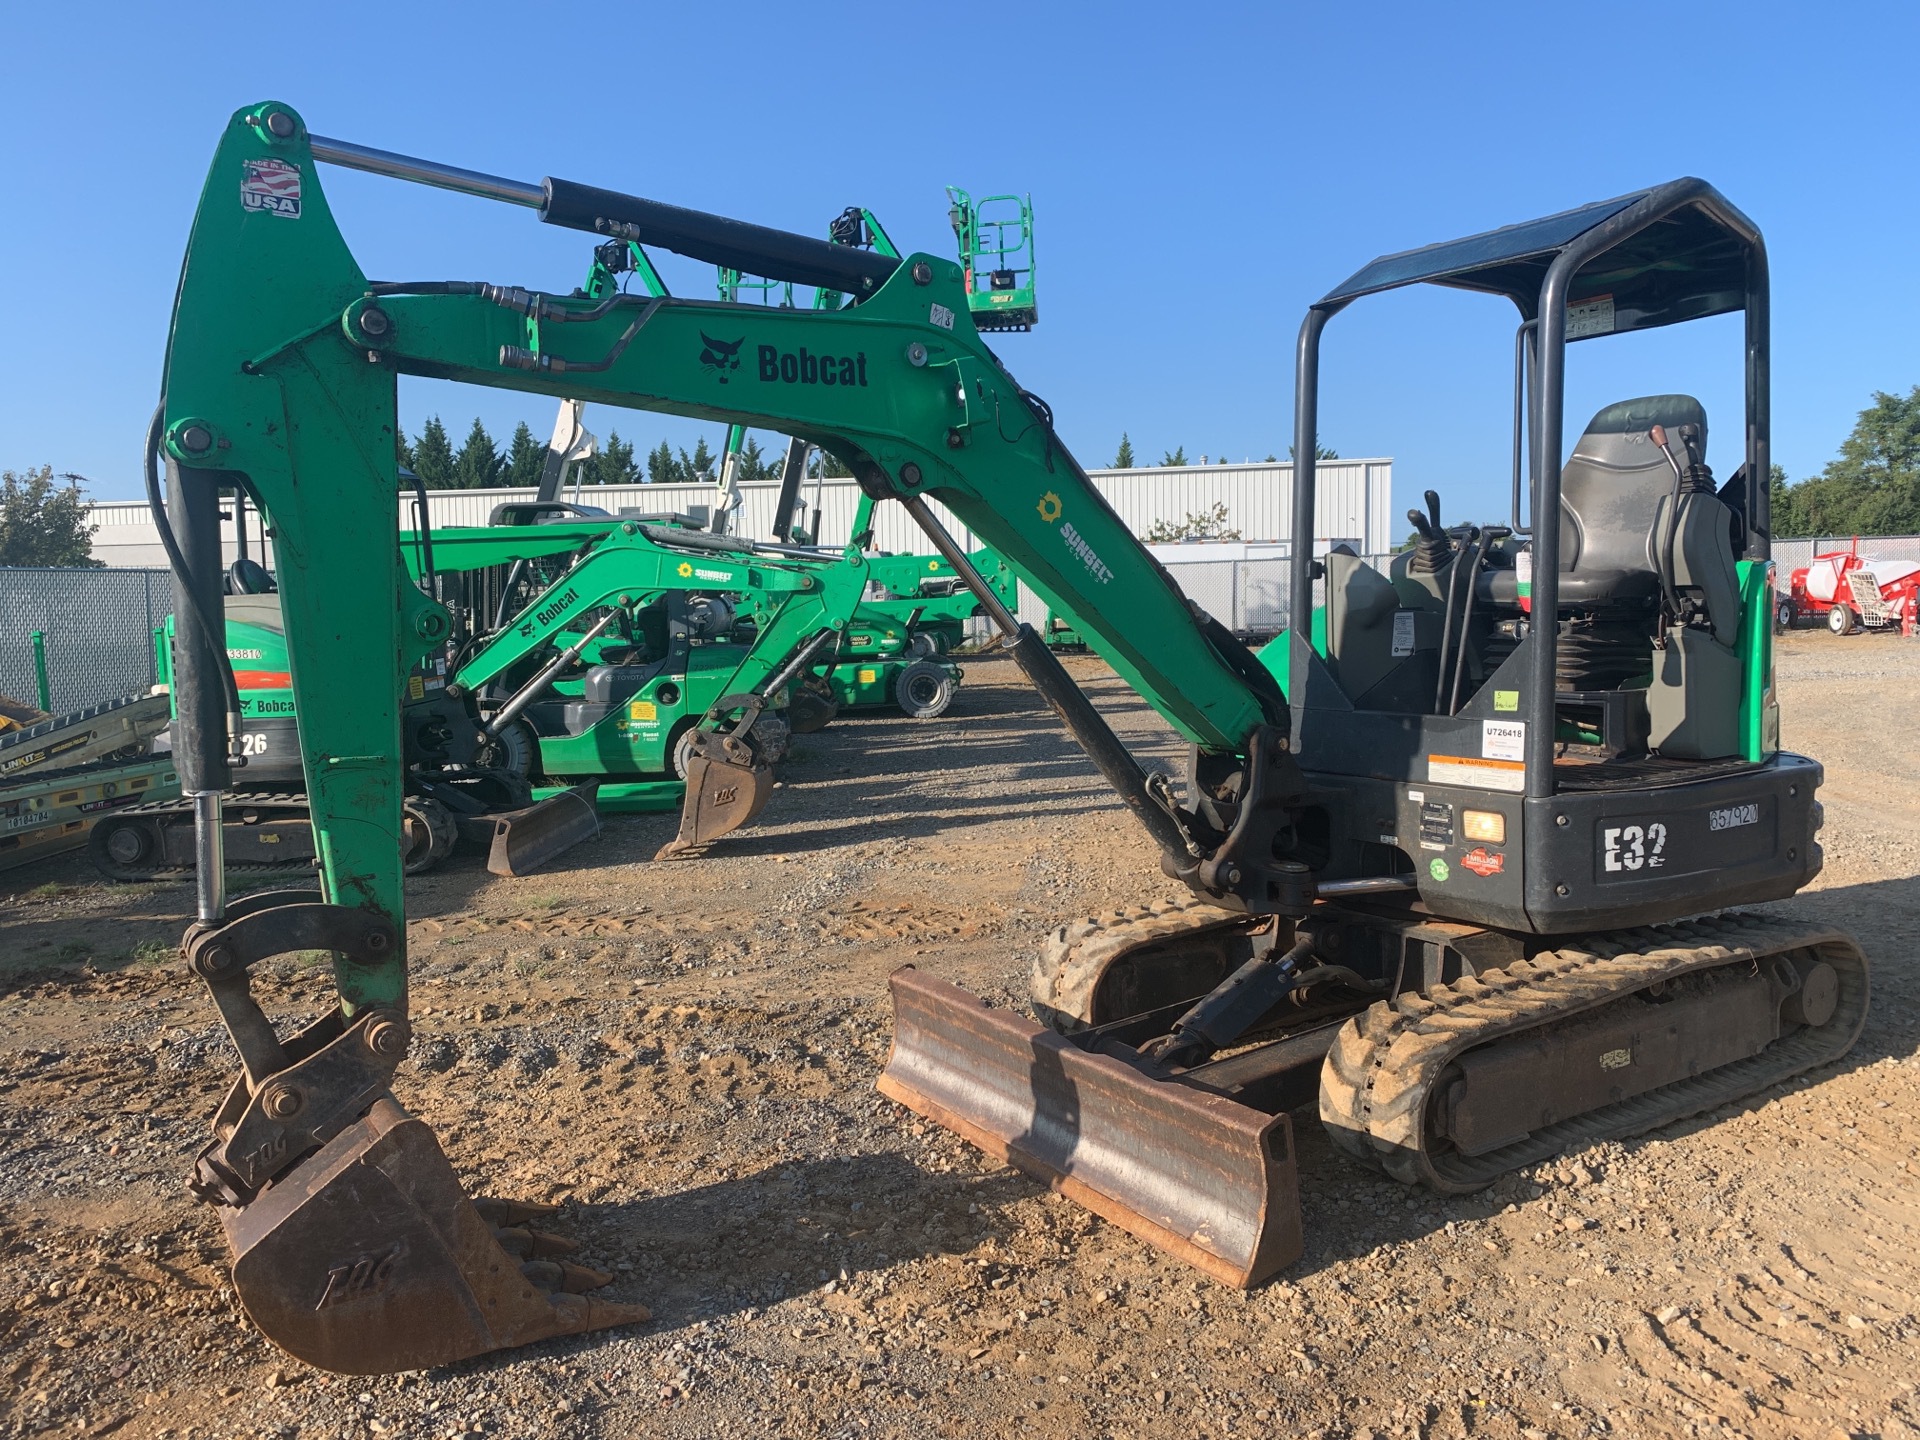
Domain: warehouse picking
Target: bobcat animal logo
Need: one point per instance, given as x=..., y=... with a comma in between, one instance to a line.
x=720, y=356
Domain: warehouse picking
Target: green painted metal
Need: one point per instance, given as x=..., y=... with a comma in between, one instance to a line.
x=1759, y=705
x=273, y=350
x=620, y=564
x=995, y=234
x=41, y=687
x=627, y=797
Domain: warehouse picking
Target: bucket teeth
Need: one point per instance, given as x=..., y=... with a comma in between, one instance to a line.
x=528, y=1244
x=565, y=1275
x=512, y=1212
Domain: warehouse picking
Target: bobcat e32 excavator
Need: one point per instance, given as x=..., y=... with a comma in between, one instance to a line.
x=1409, y=886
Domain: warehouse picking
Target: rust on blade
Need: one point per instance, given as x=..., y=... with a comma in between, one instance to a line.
x=1191, y=1172
x=724, y=792
x=524, y=840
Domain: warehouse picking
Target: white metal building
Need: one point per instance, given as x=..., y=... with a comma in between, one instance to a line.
x=1354, y=504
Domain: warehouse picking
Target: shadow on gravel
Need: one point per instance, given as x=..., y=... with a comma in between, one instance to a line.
x=738, y=1245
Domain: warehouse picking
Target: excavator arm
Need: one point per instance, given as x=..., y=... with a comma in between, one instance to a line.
x=354, y=1248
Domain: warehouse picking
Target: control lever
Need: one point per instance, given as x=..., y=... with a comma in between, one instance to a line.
x=1669, y=582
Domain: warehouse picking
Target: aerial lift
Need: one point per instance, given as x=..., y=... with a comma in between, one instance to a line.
x=1340, y=826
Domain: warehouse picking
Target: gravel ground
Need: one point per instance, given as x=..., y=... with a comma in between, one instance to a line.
x=684, y=1055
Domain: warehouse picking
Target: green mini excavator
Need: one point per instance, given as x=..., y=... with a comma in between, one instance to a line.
x=1449, y=867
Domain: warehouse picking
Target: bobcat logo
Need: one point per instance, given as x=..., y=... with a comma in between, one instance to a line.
x=720, y=356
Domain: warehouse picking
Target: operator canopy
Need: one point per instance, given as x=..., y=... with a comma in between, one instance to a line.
x=1689, y=263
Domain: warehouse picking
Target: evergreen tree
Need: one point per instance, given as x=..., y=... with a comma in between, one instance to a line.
x=41, y=524
x=1320, y=452
x=754, y=464
x=826, y=465
x=612, y=464
x=662, y=468
x=700, y=465
x=477, y=465
x=526, y=457
x=432, y=456
x=1174, y=457
x=1123, y=457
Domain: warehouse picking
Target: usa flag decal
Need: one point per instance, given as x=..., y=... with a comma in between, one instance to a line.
x=272, y=186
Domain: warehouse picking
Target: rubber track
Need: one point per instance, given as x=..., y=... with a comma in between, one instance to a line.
x=1068, y=968
x=295, y=804
x=1379, y=1077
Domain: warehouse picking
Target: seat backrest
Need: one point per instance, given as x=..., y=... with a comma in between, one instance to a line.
x=1612, y=488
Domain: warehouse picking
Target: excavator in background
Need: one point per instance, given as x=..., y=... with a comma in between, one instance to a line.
x=1471, y=938
x=621, y=638
x=916, y=609
x=614, y=638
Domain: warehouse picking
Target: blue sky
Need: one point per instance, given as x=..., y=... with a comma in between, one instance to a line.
x=1200, y=174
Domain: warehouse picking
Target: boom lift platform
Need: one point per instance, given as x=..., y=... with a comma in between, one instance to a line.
x=996, y=249
x=1554, y=980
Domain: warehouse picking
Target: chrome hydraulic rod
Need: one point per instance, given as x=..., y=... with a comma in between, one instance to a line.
x=209, y=858
x=427, y=172
x=523, y=697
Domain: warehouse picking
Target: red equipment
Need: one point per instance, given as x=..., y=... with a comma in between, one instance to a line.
x=1854, y=592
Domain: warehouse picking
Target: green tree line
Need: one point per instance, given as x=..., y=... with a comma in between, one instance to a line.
x=1872, y=487
x=481, y=464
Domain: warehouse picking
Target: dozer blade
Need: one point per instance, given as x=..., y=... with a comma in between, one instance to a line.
x=1189, y=1171
x=368, y=1258
x=521, y=841
x=722, y=795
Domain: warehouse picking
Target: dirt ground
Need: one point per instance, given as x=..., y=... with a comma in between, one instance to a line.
x=685, y=1055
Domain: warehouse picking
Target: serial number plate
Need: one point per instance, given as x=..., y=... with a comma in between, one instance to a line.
x=1732, y=816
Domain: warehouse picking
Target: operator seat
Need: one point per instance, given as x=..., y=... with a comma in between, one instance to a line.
x=1612, y=488
x=1615, y=493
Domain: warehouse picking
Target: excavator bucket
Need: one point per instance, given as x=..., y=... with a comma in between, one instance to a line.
x=368, y=1259
x=1189, y=1171
x=724, y=791
x=521, y=841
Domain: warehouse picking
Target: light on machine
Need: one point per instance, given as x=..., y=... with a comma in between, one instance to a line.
x=1487, y=825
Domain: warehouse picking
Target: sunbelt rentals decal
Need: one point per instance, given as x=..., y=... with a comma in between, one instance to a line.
x=1051, y=510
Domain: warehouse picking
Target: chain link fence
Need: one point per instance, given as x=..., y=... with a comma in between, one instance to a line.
x=98, y=633
x=1791, y=555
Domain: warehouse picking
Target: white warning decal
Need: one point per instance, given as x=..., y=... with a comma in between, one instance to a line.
x=1503, y=739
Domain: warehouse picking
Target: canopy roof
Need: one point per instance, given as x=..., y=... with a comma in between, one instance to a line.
x=1690, y=261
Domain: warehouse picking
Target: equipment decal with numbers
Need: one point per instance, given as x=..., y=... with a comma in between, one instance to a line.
x=1683, y=842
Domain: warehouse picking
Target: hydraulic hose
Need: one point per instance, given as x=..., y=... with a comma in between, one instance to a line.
x=177, y=563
